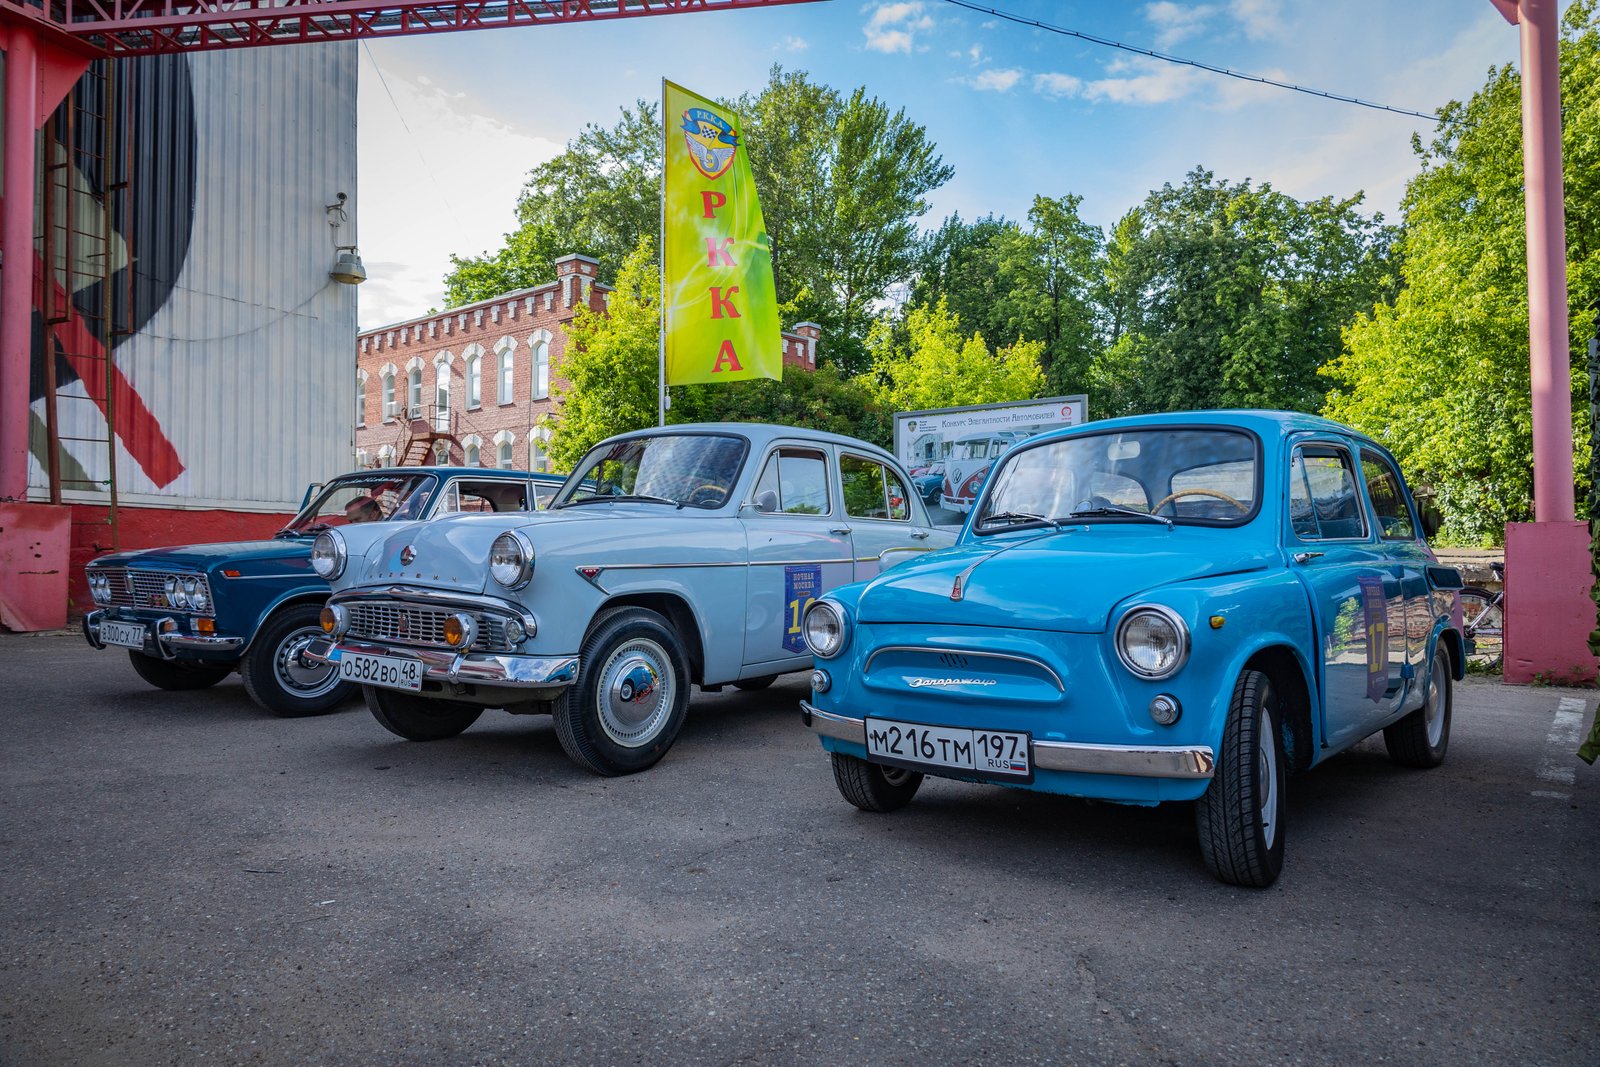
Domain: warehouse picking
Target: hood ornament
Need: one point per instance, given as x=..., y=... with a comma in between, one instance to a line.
x=407, y=554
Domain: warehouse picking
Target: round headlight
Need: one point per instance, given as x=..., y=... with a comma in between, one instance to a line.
x=190, y=588
x=199, y=599
x=1153, y=641
x=99, y=588
x=170, y=588
x=328, y=554
x=511, y=560
x=825, y=628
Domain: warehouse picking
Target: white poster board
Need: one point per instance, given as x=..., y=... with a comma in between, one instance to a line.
x=949, y=450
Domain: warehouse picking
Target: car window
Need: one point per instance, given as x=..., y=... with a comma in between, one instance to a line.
x=544, y=493
x=795, y=482
x=1119, y=491
x=365, y=497
x=1388, y=497
x=871, y=490
x=494, y=496
x=1323, y=502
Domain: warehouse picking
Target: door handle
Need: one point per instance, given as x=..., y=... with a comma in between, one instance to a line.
x=1307, y=557
x=842, y=531
x=919, y=535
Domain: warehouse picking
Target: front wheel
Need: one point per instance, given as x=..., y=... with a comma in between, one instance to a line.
x=275, y=677
x=872, y=786
x=418, y=718
x=631, y=697
x=175, y=676
x=1240, y=816
x=1421, y=738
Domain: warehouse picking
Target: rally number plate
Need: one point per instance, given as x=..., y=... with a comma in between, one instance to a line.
x=122, y=634
x=391, y=672
x=1004, y=754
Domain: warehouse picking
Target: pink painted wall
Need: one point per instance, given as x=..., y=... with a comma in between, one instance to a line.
x=1548, y=612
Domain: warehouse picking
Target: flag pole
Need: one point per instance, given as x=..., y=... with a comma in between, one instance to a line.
x=661, y=252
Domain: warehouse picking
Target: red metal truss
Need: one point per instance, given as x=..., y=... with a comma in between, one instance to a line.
x=156, y=27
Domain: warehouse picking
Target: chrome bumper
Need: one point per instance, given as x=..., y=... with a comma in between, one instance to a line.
x=1135, y=761
x=162, y=635
x=467, y=668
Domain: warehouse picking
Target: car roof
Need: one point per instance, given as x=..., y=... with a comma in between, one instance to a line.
x=1265, y=422
x=471, y=472
x=760, y=434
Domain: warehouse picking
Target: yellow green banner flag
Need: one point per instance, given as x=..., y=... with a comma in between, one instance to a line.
x=720, y=321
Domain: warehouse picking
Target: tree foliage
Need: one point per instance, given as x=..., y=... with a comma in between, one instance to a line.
x=611, y=363
x=1442, y=376
x=936, y=366
x=1226, y=295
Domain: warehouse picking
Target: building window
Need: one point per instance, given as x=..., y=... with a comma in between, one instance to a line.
x=362, y=458
x=386, y=456
x=388, y=394
x=361, y=399
x=541, y=369
x=473, y=458
x=474, y=380
x=441, y=453
x=502, y=449
x=505, y=396
x=441, y=397
x=539, y=449
x=414, y=399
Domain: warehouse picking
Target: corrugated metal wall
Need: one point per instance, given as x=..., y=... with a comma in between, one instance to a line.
x=243, y=348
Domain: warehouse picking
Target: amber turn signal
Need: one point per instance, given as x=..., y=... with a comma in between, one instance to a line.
x=454, y=631
x=326, y=619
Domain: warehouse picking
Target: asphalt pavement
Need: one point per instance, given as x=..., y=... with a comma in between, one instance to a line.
x=189, y=880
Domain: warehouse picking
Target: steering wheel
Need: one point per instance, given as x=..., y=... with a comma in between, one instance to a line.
x=1218, y=494
x=709, y=493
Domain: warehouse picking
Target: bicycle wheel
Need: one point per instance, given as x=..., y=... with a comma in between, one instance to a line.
x=1483, y=627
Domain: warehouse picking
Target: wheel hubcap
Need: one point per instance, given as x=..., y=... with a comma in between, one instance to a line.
x=1267, y=779
x=1433, y=710
x=636, y=693
x=294, y=676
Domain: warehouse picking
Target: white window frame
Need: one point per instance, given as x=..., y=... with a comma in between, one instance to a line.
x=539, y=348
x=505, y=370
x=361, y=398
x=387, y=396
x=474, y=376
x=503, y=452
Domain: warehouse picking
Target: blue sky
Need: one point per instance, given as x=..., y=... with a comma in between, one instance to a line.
x=448, y=134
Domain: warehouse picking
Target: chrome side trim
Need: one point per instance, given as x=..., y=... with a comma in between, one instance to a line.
x=200, y=642
x=517, y=672
x=1133, y=761
x=687, y=566
x=1043, y=666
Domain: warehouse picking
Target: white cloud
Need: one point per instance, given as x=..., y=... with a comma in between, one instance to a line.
x=892, y=27
x=796, y=44
x=1174, y=22
x=443, y=180
x=1262, y=20
x=1144, y=81
x=1054, y=84
x=999, y=81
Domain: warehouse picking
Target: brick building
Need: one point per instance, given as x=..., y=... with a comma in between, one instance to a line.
x=476, y=385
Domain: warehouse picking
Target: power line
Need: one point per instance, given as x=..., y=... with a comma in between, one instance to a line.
x=1180, y=61
x=415, y=145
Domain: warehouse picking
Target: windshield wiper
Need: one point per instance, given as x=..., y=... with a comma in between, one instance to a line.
x=1113, y=509
x=1015, y=518
x=629, y=497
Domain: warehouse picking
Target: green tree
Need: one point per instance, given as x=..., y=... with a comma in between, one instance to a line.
x=821, y=399
x=1225, y=295
x=937, y=366
x=597, y=198
x=1442, y=375
x=611, y=363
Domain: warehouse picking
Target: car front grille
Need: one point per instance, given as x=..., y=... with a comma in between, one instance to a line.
x=414, y=624
x=148, y=589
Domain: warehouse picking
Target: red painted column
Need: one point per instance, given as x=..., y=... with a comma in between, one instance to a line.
x=16, y=268
x=1548, y=613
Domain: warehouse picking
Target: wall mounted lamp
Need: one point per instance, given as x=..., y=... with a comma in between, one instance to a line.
x=347, y=267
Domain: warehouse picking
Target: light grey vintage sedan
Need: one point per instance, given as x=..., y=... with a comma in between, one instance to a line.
x=674, y=556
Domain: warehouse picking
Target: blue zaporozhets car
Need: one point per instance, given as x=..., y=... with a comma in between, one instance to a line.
x=1184, y=607
x=190, y=616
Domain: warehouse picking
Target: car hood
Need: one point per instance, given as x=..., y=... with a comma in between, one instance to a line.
x=202, y=557
x=1067, y=580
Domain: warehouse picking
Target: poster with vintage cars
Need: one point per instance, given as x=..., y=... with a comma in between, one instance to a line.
x=949, y=451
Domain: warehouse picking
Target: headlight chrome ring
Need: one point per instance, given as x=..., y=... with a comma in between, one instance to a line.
x=511, y=559
x=1153, y=641
x=826, y=629
x=328, y=554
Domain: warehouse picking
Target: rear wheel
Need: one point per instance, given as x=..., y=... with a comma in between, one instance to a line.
x=1240, y=816
x=631, y=697
x=872, y=786
x=1483, y=626
x=175, y=676
x=417, y=718
x=1421, y=738
x=275, y=677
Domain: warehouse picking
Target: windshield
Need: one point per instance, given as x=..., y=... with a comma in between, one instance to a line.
x=685, y=470
x=373, y=497
x=1187, y=476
